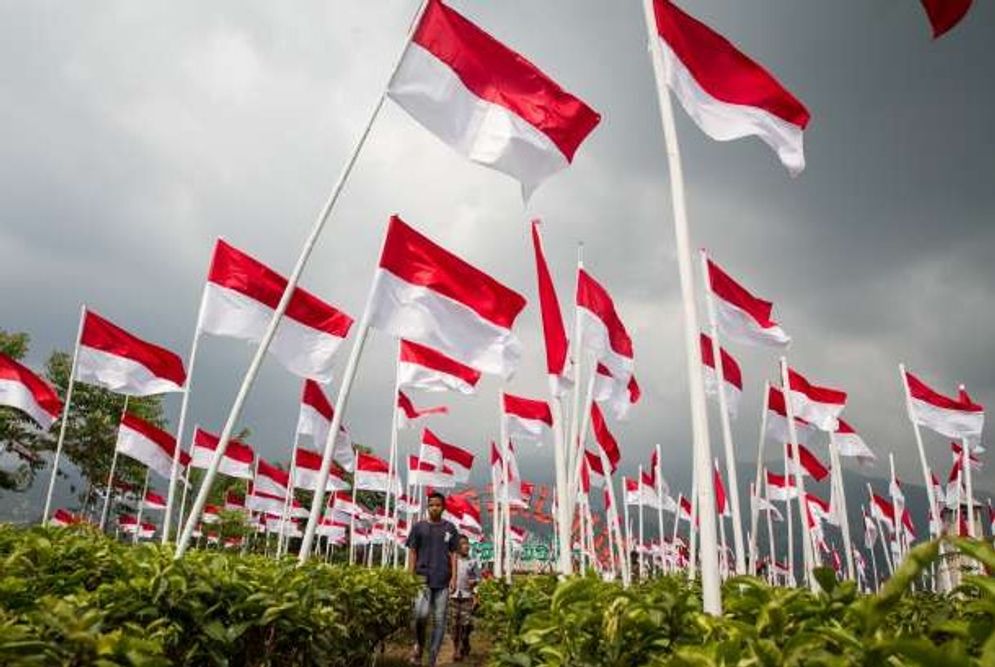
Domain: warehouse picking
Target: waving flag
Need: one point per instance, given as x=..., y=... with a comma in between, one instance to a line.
x=741, y=316
x=62, y=518
x=428, y=473
x=307, y=464
x=955, y=484
x=441, y=453
x=850, y=444
x=761, y=504
x=730, y=373
x=373, y=474
x=617, y=396
x=428, y=295
x=153, y=501
x=870, y=531
x=408, y=414
x=315, y=418
x=421, y=367
x=953, y=417
x=112, y=358
x=943, y=15
x=237, y=461
x=958, y=452
x=271, y=479
x=602, y=330
x=604, y=437
x=486, y=101
x=721, y=503
x=686, y=510
x=820, y=406
x=810, y=465
x=239, y=300
x=234, y=502
x=820, y=509
x=777, y=420
x=148, y=444
x=553, y=331
x=22, y=389
x=883, y=511
x=779, y=488
x=727, y=94
x=526, y=418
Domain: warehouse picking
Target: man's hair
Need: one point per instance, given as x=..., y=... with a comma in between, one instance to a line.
x=463, y=538
x=436, y=494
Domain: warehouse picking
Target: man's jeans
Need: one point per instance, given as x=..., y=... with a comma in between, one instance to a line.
x=434, y=602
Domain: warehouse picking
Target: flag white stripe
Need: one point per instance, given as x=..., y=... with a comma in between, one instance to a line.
x=416, y=376
x=951, y=423
x=135, y=445
x=17, y=395
x=119, y=374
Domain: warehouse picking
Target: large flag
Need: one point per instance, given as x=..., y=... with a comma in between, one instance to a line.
x=441, y=453
x=849, y=443
x=743, y=317
x=148, y=445
x=526, y=418
x=777, y=420
x=314, y=420
x=730, y=373
x=114, y=359
x=727, y=94
x=239, y=300
x=237, y=461
x=486, y=101
x=943, y=15
x=953, y=417
x=553, y=331
x=421, y=367
x=408, y=414
x=810, y=464
x=307, y=464
x=373, y=474
x=22, y=389
x=604, y=437
x=820, y=406
x=618, y=396
x=426, y=294
x=602, y=330
x=271, y=479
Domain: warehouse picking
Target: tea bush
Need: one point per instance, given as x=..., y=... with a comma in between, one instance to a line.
x=70, y=596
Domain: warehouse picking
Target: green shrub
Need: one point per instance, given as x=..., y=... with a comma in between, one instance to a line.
x=74, y=597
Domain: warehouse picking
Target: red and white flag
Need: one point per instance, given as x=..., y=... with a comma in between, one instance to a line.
x=820, y=406
x=883, y=511
x=427, y=473
x=526, y=418
x=721, y=503
x=307, y=464
x=408, y=414
x=943, y=15
x=604, y=437
x=686, y=510
x=153, y=501
x=554, y=333
x=938, y=494
x=810, y=464
x=62, y=518
x=781, y=488
x=497, y=463
x=870, y=531
x=148, y=444
x=271, y=479
x=761, y=504
x=777, y=420
x=20, y=388
x=314, y=420
x=730, y=373
x=955, y=484
x=237, y=461
x=601, y=329
x=727, y=94
x=595, y=471
x=212, y=514
x=441, y=453
x=958, y=452
x=421, y=367
x=953, y=417
x=239, y=300
x=487, y=102
x=428, y=295
x=849, y=443
x=820, y=509
x=234, y=502
x=114, y=359
x=373, y=474
x=617, y=396
x=743, y=317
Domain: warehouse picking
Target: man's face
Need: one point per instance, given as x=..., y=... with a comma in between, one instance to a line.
x=435, y=507
x=464, y=547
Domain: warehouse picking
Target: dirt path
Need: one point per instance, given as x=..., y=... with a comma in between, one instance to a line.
x=397, y=654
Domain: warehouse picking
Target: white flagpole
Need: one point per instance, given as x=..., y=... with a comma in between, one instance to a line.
x=844, y=518
x=788, y=489
x=576, y=354
x=885, y=547
x=65, y=420
x=659, y=508
x=627, y=559
x=710, y=583
x=808, y=556
x=506, y=543
x=642, y=537
x=757, y=481
x=899, y=507
x=623, y=548
x=677, y=525
x=496, y=522
x=730, y=453
x=110, y=477
x=167, y=520
x=724, y=561
x=352, y=528
x=693, y=528
x=391, y=458
x=141, y=506
x=965, y=454
x=281, y=308
x=585, y=420
x=283, y=540
x=771, y=546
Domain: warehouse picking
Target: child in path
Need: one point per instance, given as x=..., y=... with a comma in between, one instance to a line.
x=464, y=599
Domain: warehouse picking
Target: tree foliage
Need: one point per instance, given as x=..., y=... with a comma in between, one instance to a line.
x=20, y=438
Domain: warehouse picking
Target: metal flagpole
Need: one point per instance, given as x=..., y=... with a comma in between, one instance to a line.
x=885, y=547
x=677, y=525
x=141, y=506
x=167, y=521
x=264, y=343
x=576, y=433
x=659, y=507
x=506, y=545
x=693, y=528
x=642, y=537
x=789, y=488
x=965, y=454
x=623, y=551
x=771, y=546
x=757, y=481
x=899, y=507
x=585, y=419
x=65, y=419
x=730, y=453
x=627, y=559
x=844, y=518
x=808, y=558
x=391, y=515
x=110, y=477
x=710, y=584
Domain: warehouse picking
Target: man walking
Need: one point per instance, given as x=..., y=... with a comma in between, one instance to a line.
x=432, y=548
x=464, y=599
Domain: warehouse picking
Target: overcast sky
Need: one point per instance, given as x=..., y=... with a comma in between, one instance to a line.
x=135, y=134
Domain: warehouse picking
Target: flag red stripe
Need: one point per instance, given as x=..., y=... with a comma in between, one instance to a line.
x=315, y=397
x=416, y=260
x=281, y=477
x=450, y=453
x=721, y=69
x=595, y=298
x=943, y=15
x=41, y=391
x=921, y=391
x=236, y=451
x=414, y=353
x=604, y=437
x=730, y=369
x=554, y=332
x=797, y=382
x=727, y=289
x=495, y=73
x=101, y=334
x=527, y=408
x=160, y=437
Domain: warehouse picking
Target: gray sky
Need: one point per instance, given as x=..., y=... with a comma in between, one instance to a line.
x=134, y=134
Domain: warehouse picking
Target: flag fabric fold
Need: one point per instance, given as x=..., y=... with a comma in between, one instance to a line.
x=944, y=15
x=953, y=417
x=408, y=414
x=238, y=459
x=526, y=418
x=617, y=396
x=554, y=332
x=421, y=367
x=730, y=373
x=604, y=437
x=441, y=453
x=820, y=406
x=741, y=316
x=602, y=330
x=850, y=444
x=148, y=444
x=20, y=388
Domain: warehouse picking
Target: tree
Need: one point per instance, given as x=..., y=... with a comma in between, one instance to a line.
x=20, y=436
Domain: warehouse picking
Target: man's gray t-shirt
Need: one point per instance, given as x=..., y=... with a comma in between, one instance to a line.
x=434, y=542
